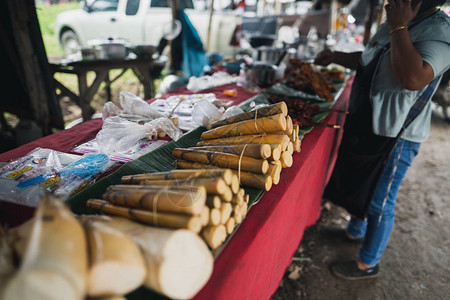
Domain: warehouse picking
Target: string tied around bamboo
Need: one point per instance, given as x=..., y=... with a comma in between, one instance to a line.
x=256, y=117
x=239, y=163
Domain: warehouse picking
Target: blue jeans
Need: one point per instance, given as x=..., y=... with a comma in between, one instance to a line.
x=377, y=229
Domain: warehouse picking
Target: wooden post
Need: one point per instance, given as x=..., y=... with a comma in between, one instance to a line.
x=211, y=12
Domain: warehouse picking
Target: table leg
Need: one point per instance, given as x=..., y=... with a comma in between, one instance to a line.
x=88, y=92
x=146, y=80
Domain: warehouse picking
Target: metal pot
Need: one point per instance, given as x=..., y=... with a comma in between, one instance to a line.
x=112, y=48
x=260, y=73
x=145, y=51
x=272, y=55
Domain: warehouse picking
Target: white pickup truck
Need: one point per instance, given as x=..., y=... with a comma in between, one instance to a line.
x=138, y=22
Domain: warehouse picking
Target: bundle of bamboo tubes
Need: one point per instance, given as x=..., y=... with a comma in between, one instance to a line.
x=256, y=145
x=209, y=202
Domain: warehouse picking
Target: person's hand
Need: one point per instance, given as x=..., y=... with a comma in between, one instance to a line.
x=324, y=58
x=400, y=12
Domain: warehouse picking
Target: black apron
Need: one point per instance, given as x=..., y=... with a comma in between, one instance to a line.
x=362, y=154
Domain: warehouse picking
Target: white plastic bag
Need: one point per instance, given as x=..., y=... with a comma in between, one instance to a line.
x=118, y=134
x=197, y=84
x=132, y=104
x=204, y=113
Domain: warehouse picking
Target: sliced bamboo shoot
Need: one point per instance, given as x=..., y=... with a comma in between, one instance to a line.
x=214, y=217
x=214, y=236
x=213, y=201
x=225, y=212
x=260, y=151
x=178, y=262
x=229, y=225
x=286, y=159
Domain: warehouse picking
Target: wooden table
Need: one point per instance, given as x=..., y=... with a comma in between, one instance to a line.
x=145, y=70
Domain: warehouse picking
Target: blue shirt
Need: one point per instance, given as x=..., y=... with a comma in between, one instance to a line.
x=390, y=102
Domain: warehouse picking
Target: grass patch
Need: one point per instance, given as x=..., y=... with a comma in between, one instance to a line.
x=47, y=20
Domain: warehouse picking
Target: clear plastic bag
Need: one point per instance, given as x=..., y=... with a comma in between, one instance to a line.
x=109, y=110
x=118, y=134
x=197, y=84
x=44, y=169
x=204, y=113
x=132, y=104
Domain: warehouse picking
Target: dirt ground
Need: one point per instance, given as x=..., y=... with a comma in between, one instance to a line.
x=416, y=263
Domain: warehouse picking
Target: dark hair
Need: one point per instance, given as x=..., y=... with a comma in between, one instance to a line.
x=428, y=4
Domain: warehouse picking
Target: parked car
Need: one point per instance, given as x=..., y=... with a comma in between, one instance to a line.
x=138, y=22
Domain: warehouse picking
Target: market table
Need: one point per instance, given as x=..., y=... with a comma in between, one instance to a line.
x=146, y=70
x=252, y=263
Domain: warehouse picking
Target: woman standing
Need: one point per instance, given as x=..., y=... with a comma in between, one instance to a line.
x=397, y=74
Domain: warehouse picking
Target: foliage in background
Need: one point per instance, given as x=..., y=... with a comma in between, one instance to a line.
x=47, y=18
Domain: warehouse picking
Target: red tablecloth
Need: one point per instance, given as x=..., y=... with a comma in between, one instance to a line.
x=254, y=260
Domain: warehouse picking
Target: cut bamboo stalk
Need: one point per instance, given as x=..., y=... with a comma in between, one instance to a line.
x=237, y=199
x=255, y=126
x=289, y=126
x=225, y=212
x=280, y=139
x=276, y=151
x=214, y=236
x=215, y=216
x=224, y=160
x=247, y=198
x=275, y=172
x=213, y=185
x=229, y=225
x=192, y=223
x=262, y=182
x=178, y=174
x=228, y=195
x=244, y=210
x=183, y=164
x=55, y=261
x=172, y=271
x=237, y=218
x=296, y=130
x=290, y=148
x=260, y=151
x=205, y=215
x=235, y=184
x=112, y=252
x=189, y=201
x=297, y=145
x=265, y=111
x=286, y=159
x=213, y=201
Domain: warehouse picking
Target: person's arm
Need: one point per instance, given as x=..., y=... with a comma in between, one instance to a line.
x=411, y=71
x=348, y=60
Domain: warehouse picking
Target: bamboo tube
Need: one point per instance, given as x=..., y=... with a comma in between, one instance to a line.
x=214, y=236
x=249, y=139
x=225, y=212
x=54, y=263
x=296, y=130
x=247, y=198
x=112, y=252
x=244, y=209
x=213, y=185
x=183, y=164
x=215, y=216
x=265, y=111
x=159, y=200
x=205, y=215
x=275, y=172
x=241, y=192
x=290, y=148
x=235, y=184
x=192, y=223
x=172, y=271
x=225, y=160
x=237, y=218
x=261, y=125
x=178, y=174
x=213, y=201
x=228, y=195
x=297, y=145
x=260, y=151
x=229, y=225
x=286, y=159
x=237, y=199
x=289, y=126
x=276, y=151
x=262, y=182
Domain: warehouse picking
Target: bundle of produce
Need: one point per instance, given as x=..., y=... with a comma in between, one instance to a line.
x=310, y=80
x=174, y=271
x=255, y=145
x=53, y=255
x=302, y=112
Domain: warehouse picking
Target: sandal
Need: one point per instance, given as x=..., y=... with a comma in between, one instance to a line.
x=350, y=271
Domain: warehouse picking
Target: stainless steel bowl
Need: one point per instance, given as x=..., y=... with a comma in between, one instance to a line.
x=144, y=50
